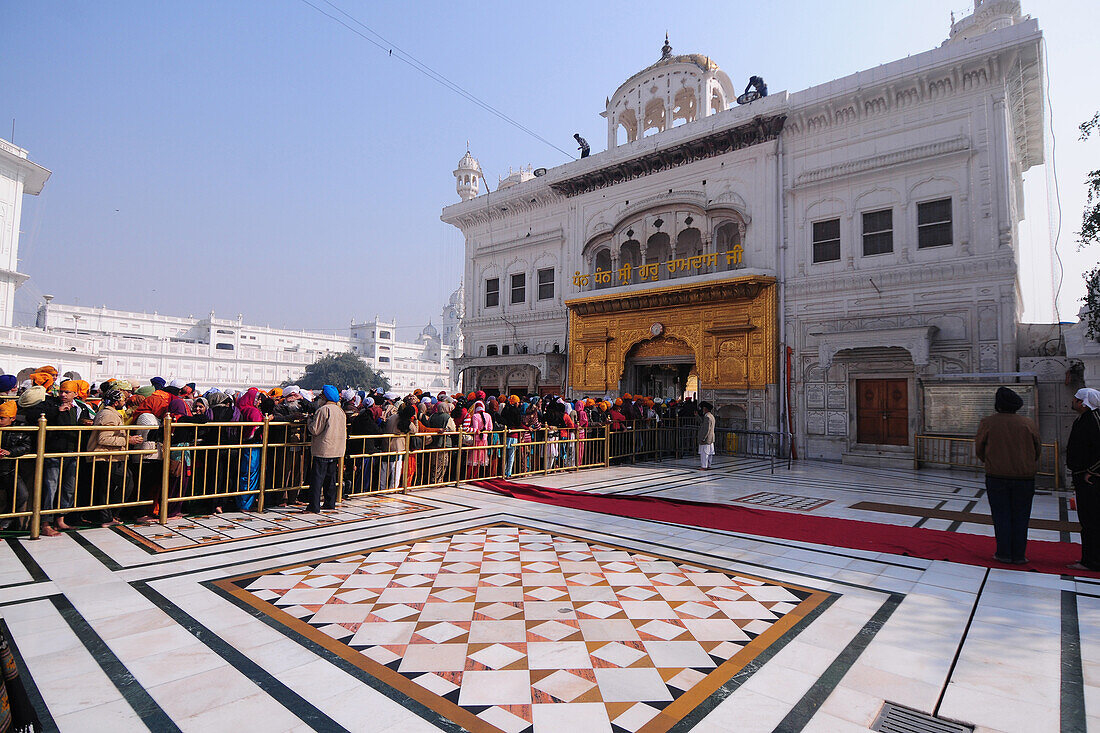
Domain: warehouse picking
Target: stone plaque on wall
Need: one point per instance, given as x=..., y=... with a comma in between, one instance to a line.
x=815, y=396
x=956, y=409
x=815, y=423
x=838, y=423
x=838, y=397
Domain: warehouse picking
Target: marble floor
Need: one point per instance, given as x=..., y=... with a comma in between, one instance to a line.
x=460, y=609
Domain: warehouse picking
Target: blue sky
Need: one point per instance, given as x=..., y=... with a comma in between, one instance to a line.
x=255, y=157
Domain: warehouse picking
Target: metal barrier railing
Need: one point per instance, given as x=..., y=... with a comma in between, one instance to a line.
x=54, y=471
x=959, y=453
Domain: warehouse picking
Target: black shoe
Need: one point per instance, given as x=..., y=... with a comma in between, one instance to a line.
x=1005, y=560
x=312, y=510
x=1024, y=561
x=329, y=508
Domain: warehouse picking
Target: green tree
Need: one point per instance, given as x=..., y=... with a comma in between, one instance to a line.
x=1090, y=234
x=341, y=370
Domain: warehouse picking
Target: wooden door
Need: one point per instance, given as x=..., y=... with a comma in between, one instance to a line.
x=882, y=411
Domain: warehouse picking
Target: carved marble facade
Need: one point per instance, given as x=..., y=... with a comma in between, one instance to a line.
x=955, y=127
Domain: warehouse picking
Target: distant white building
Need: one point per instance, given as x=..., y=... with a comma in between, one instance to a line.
x=219, y=351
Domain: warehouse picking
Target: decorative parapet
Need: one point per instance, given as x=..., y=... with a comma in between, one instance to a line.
x=754, y=132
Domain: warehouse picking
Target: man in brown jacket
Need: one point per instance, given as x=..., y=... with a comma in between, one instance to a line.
x=1008, y=444
x=329, y=428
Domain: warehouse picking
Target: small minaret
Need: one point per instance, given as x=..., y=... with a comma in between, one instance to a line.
x=467, y=176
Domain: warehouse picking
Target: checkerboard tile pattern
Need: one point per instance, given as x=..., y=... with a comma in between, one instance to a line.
x=505, y=628
x=785, y=501
x=185, y=532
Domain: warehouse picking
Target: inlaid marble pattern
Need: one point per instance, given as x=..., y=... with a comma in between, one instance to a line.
x=186, y=532
x=505, y=628
x=784, y=501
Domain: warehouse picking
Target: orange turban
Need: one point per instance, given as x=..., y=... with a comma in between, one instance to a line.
x=626, y=396
x=619, y=402
x=513, y=399
x=8, y=408
x=275, y=393
x=44, y=377
x=82, y=389
x=71, y=385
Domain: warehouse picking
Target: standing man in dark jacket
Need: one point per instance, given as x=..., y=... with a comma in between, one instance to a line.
x=1009, y=446
x=1083, y=460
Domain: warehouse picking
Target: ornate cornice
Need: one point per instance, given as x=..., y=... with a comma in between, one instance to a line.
x=916, y=340
x=756, y=131
x=540, y=315
x=914, y=274
x=720, y=291
x=497, y=205
x=885, y=160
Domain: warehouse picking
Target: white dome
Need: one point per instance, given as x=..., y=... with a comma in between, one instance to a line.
x=468, y=163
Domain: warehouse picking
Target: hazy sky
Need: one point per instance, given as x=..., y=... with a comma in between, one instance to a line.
x=254, y=156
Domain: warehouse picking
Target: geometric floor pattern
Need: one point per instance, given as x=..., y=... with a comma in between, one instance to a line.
x=191, y=531
x=784, y=501
x=505, y=628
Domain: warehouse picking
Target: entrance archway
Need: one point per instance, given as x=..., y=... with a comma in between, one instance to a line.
x=660, y=367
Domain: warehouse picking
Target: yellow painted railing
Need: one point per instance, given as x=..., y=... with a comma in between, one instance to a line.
x=959, y=453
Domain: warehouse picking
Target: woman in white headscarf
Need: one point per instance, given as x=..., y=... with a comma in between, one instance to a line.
x=1083, y=460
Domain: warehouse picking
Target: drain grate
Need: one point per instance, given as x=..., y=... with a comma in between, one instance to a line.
x=896, y=719
x=785, y=501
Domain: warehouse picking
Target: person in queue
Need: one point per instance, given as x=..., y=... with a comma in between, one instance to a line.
x=1083, y=461
x=1008, y=445
x=328, y=426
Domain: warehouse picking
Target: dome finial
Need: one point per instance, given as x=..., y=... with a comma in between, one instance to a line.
x=666, y=50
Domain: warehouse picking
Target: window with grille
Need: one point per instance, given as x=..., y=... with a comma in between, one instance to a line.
x=492, y=292
x=546, y=283
x=934, y=223
x=878, y=232
x=519, y=288
x=826, y=240
x=490, y=351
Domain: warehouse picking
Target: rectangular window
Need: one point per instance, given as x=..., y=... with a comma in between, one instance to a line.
x=519, y=288
x=546, y=283
x=490, y=351
x=826, y=243
x=384, y=359
x=504, y=350
x=934, y=223
x=878, y=232
x=492, y=292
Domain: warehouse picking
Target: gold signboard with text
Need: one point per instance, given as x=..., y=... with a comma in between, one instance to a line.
x=728, y=326
x=652, y=271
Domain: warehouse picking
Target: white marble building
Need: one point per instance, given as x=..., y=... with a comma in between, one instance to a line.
x=223, y=352
x=880, y=210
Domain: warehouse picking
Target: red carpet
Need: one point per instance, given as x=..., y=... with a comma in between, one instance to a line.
x=930, y=544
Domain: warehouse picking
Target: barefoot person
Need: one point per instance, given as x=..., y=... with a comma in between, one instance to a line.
x=1009, y=446
x=706, y=435
x=1083, y=460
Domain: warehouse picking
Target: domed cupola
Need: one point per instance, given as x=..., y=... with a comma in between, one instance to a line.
x=467, y=176
x=677, y=88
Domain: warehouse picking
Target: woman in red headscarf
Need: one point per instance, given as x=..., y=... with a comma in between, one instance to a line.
x=249, y=479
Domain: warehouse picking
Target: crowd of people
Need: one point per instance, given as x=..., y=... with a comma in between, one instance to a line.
x=385, y=440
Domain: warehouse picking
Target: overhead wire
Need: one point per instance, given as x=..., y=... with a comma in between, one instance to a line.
x=1055, y=229
x=396, y=52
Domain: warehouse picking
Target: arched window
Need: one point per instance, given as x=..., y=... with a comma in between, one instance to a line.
x=726, y=237
x=658, y=248
x=630, y=253
x=603, y=262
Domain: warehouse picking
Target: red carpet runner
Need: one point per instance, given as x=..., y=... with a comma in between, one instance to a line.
x=930, y=544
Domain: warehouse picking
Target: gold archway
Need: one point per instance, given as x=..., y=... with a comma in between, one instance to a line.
x=729, y=325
